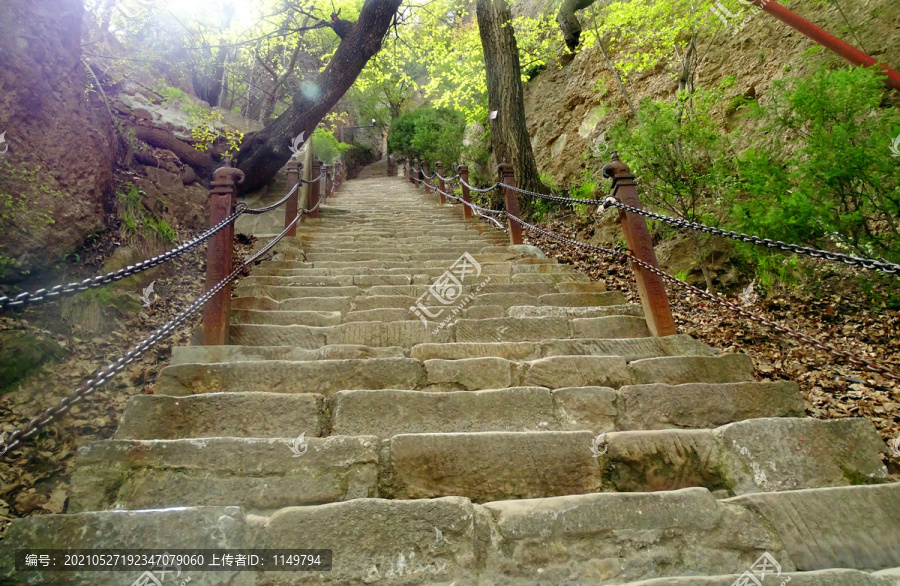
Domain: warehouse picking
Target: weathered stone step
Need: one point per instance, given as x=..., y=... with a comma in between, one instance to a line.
x=755, y=455
x=369, y=281
x=389, y=249
x=398, y=265
x=254, y=473
x=480, y=291
x=606, y=538
x=485, y=466
x=212, y=354
x=392, y=264
x=236, y=415
x=433, y=272
x=409, y=333
x=628, y=348
x=327, y=377
x=386, y=413
x=333, y=318
x=371, y=302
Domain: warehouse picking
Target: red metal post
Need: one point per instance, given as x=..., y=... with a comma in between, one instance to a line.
x=416, y=173
x=651, y=287
x=293, y=182
x=848, y=52
x=216, y=314
x=464, y=175
x=506, y=175
x=440, y=171
x=314, y=187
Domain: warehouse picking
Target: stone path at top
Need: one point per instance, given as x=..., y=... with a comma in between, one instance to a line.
x=468, y=450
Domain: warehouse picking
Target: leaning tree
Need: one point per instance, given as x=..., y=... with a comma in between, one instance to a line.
x=263, y=153
x=509, y=133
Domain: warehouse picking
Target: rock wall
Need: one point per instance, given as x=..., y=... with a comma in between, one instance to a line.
x=51, y=121
x=566, y=113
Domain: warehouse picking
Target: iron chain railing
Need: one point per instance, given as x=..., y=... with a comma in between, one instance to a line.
x=59, y=291
x=107, y=373
x=876, y=265
x=622, y=256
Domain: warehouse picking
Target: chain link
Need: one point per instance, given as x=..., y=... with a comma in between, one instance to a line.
x=476, y=190
x=476, y=209
x=621, y=256
x=321, y=174
x=107, y=373
x=59, y=291
x=875, y=265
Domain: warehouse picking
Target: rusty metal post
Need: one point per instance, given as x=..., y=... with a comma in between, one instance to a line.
x=314, y=187
x=425, y=177
x=406, y=170
x=827, y=40
x=293, y=182
x=506, y=175
x=651, y=287
x=440, y=171
x=416, y=173
x=216, y=314
x=463, y=171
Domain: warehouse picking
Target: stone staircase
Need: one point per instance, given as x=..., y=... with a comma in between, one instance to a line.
x=469, y=453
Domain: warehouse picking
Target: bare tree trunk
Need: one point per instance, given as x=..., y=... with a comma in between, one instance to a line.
x=263, y=153
x=568, y=22
x=509, y=133
x=201, y=161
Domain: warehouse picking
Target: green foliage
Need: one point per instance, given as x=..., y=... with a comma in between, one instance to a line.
x=684, y=162
x=432, y=134
x=841, y=187
x=138, y=224
x=203, y=122
x=21, y=190
x=326, y=147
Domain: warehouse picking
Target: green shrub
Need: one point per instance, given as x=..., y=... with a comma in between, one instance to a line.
x=432, y=134
x=326, y=147
x=841, y=188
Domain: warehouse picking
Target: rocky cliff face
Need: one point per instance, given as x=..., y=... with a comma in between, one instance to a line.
x=574, y=102
x=59, y=135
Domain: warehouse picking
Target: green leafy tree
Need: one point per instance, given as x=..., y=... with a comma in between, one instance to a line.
x=685, y=164
x=433, y=134
x=841, y=187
